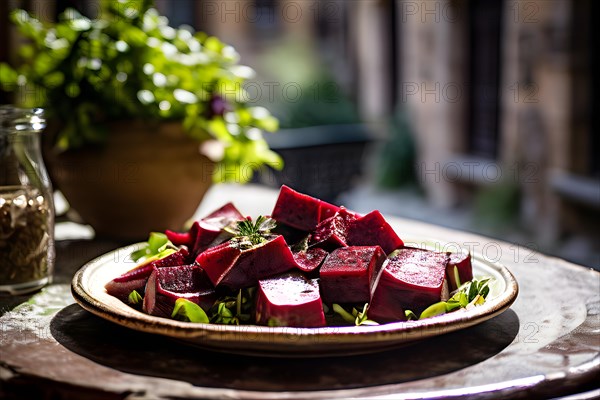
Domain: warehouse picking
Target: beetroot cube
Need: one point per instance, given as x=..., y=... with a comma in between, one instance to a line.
x=289, y=300
x=347, y=273
x=210, y=228
x=135, y=279
x=459, y=269
x=166, y=285
x=412, y=279
x=217, y=260
x=267, y=259
x=207, y=231
x=372, y=229
x=297, y=210
x=308, y=261
x=332, y=232
x=184, y=238
x=301, y=211
x=327, y=210
x=234, y=267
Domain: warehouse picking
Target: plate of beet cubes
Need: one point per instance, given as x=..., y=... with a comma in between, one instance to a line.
x=311, y=279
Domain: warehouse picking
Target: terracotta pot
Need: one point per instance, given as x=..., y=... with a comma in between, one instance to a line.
x=148, y=177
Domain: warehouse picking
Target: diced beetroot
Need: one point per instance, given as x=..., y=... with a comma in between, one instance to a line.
x=309, y=260
x=289, y=300
x=372, y=229
x=327, y=210
x=459, y=269
x=332, y=232
x=228, y=265
x=166, y=285
x=297, y=210
x=347, y=273
x=208, y=231
x=223, y=215
x=412, y=279
x=187, y=239
x=265, y=260
x=217, y=260
x=135, y=279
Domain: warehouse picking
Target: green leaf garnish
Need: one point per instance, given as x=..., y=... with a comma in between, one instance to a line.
x=134, y=298
x=248, y=233
x=346, y=316
x=433, y=310
x=410, y=316
x=274, y=322
x=361, y=316
x=223, y=315
x=356, y=317
x=475, y=288
x=186, y=310
x=233, y=310
x=472, y=293
x=158, y=246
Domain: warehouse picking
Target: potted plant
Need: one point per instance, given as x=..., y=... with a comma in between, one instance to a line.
x=130, y=102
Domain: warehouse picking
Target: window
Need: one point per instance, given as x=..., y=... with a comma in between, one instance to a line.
x=485, y=21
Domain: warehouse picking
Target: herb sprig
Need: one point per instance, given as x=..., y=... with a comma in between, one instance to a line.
x=248, y=233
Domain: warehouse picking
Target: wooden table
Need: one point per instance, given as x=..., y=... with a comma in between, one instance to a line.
x=546, y=344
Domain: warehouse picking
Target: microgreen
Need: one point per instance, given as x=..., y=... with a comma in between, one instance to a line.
x=231, y=310
x=346, y=316
x=157, y=247
x=410, y=315
x=274, y=322
x=354, y=317
x=224, y=316
x=470, y=294
x=134, y=298
x=433, y=310
x=186, y=310
x=361, y=316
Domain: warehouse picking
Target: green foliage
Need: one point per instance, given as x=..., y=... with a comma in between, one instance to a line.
x=355, y=317
x=320, y=102
x=135, y=298
x=157, y=247
x=472, y=293
x=129, y=63
x=398, y=156
x=310, y=93
x=233, y=310
x=188, y=311
x=497, y=206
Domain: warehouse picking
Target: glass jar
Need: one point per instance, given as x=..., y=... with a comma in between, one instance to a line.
x=26, y=206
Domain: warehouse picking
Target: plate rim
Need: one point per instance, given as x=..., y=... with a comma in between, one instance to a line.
x=291, y=340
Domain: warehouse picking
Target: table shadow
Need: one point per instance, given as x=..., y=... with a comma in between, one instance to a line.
x=146, y=354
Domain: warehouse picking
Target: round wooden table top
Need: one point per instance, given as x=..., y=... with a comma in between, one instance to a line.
x=547, y=344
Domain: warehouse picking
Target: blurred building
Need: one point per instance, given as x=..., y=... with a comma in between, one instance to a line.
x=500, y=97
x=504, y=94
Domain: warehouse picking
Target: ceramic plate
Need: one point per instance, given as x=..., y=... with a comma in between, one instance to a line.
x=88, y=290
